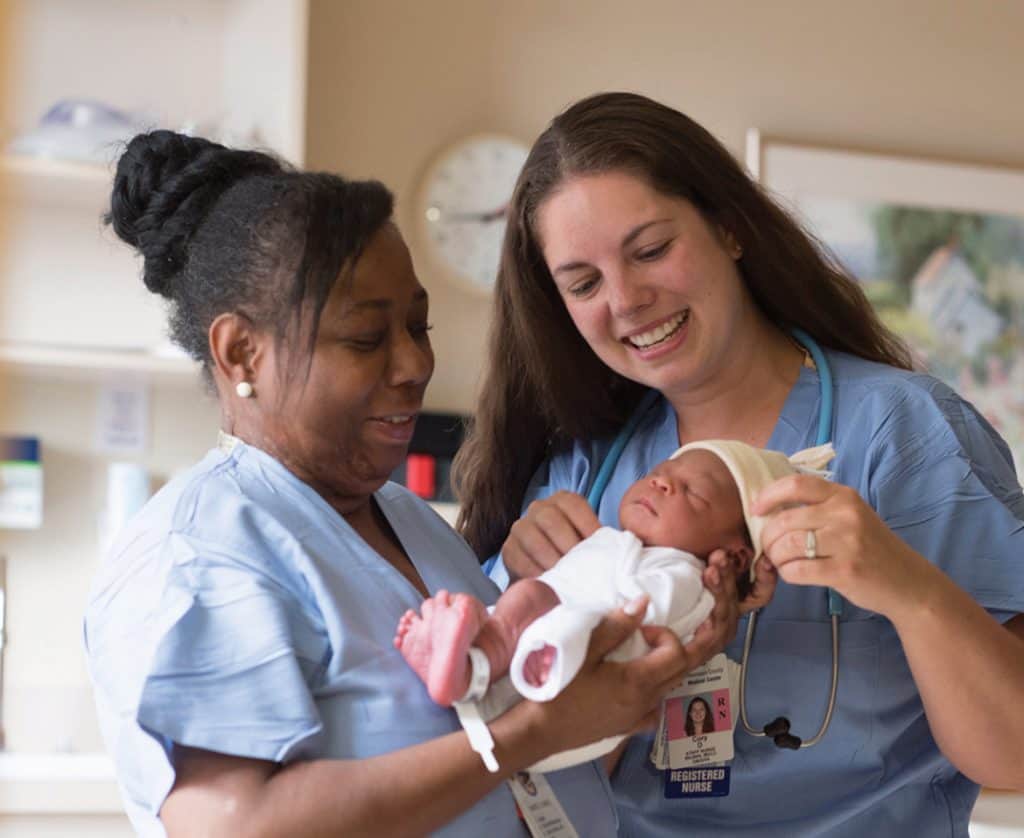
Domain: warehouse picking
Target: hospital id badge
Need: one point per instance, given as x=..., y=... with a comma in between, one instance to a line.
x=696, y=727
x=544, y=815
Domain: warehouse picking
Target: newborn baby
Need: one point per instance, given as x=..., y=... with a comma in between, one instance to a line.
x=687, y=506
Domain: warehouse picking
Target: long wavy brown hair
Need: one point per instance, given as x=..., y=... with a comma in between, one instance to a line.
x=543, y=386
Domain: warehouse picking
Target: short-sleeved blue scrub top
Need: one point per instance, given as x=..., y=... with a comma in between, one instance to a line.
x=943, y=480
x=239, y=613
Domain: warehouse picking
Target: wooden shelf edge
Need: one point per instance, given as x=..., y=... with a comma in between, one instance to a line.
x=53, y=167
x=66, y=186
x=85, y=362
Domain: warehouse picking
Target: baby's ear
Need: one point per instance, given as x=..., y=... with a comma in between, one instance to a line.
x=742, y=556
x=741, y=559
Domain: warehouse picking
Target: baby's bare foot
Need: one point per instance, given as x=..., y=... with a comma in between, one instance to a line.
x=412, y=639
x=435, y=642
x=454, y=624
x=537, y=665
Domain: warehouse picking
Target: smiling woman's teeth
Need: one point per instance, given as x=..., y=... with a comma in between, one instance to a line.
x=396, y=420
x=659, y=333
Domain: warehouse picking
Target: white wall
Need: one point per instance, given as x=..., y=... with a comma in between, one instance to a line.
x=392, y=82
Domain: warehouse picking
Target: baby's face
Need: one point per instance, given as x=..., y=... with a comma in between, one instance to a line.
x=690, y=503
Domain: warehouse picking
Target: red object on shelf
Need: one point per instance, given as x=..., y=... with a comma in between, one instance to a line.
x=421, y=475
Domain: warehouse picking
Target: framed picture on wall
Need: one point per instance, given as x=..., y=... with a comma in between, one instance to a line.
x=939, y=250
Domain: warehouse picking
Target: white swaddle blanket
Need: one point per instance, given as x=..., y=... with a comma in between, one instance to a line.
x=601, y=573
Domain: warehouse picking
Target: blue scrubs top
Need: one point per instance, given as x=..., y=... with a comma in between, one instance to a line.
x=943, y=480
x=241, y=614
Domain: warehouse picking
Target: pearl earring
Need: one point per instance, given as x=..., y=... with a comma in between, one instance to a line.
x=244, y=389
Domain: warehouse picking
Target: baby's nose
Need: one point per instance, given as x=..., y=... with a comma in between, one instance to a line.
x=661, y=484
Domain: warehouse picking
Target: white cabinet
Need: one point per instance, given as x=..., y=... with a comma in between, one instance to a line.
x=65, y=281
x=74, y=311
x=231, y=69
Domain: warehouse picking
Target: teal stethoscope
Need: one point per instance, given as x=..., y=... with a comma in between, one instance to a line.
x=778, y=729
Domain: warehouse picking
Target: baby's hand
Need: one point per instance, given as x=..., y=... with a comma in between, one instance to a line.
x=723, y=565
x=765, y=579
x=714, y=634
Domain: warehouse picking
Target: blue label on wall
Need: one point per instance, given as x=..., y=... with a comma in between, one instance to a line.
x=24, y=449
x=705, y=781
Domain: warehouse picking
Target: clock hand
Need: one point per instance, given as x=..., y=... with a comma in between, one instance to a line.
x=485, y=217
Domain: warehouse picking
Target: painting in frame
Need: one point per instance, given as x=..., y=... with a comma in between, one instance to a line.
x=939, y=250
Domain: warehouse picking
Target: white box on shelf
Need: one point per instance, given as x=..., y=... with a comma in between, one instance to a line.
x=21, y=484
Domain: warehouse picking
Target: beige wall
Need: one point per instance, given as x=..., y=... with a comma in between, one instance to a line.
x=392, y=81
x=6, y=37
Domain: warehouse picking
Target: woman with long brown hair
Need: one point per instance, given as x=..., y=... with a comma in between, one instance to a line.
x=645, y=275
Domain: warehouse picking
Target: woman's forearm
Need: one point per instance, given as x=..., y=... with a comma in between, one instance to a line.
x=969, y=670
x=411, y=792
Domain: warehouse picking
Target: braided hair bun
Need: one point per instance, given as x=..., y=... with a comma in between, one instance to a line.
x=165, y=185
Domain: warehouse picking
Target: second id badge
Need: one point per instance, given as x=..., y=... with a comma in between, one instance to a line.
x=540, y=809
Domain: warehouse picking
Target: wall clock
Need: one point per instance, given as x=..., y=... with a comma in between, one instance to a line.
x=462, y=206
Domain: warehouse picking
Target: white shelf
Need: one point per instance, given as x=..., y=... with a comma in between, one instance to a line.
x=27, y=166
x=49, y=167
x=52, y=182
x=42, y=767
x=234, y=69
x=57, y=783
x=86, y=363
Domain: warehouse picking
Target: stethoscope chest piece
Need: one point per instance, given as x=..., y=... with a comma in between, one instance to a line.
x=778, y=729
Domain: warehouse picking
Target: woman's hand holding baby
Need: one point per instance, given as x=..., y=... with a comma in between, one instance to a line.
x=851, y=550
x=608, y=698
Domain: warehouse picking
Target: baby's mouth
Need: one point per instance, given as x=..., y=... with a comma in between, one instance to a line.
x=646, y=504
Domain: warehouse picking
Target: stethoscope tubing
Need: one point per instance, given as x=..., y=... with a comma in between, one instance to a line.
x=748, y=640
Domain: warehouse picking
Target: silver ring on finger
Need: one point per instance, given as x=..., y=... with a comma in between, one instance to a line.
x=811, y=545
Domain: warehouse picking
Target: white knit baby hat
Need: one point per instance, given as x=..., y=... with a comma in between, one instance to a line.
x=754, y=468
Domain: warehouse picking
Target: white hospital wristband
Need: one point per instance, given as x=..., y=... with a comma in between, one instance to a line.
x=479, y=675
x=480, y=739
